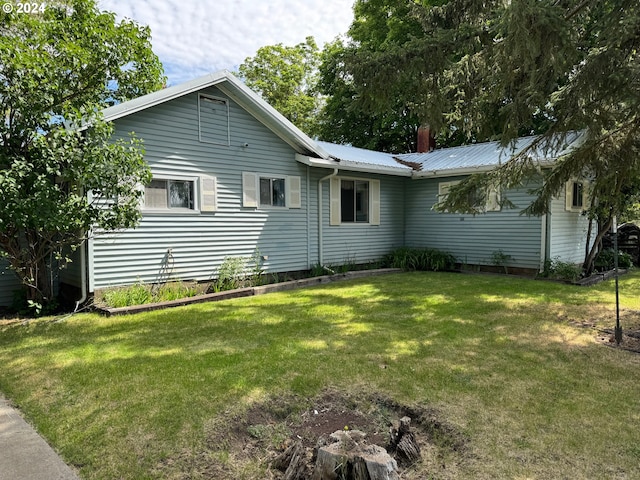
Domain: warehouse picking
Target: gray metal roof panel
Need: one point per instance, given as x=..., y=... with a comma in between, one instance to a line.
x=348, y=154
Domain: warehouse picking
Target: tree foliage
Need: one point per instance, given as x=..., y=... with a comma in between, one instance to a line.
x=285, y=78
x=58, y=69
x=495, y=69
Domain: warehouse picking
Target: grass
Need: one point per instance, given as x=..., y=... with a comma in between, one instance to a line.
x=502, y=359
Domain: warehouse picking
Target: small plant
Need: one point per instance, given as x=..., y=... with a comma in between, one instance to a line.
x=257, y=275
x=137, y=294
x=231, y=274
x=559, y=270
x=501, y=259
x=420, y=259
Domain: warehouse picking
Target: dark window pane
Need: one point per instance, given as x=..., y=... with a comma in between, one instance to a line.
x=278, y=192
x=577, y=194
x=362, y=201
x=347, y=200
x=265, y=191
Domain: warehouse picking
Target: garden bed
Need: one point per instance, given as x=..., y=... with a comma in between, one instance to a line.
x=245, y=292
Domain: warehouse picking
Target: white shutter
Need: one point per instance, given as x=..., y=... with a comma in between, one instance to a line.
x=374, y=193
x=334, y=201
x=293, y=192
x=208, y=194
x=493, y=200
x=568, y=200
x=249, y=189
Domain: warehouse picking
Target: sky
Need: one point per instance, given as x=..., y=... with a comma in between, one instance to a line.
x=196, y=37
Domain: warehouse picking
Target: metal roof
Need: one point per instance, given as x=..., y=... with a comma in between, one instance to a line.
x=360, y=157
x=484, y=156
x=236, y=90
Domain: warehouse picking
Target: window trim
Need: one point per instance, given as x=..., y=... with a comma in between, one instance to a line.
x=491, y=204
x=215, y=99
x=570, y=205
x=251, y=191
x=204, y=201
x=335, y=201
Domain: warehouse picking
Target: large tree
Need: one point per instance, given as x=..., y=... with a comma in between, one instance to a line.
x=490, y=67
x=285, y=78
x=58, y=69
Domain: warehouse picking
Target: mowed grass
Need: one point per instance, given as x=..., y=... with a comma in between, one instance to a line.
x=500, y=358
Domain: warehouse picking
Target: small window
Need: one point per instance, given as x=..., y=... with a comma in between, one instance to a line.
x=213, y=119
x=272, y=192
x=491, y=199
x=576, y=192
x=354, y=201
x=264, y=190
x=169, y=194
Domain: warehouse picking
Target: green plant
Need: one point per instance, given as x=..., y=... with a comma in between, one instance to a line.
x=256, y=271
x=606, y=260
x=559, y=270
x=231, y=274
x=427, y=259
x=500, y=259
x=137, y=294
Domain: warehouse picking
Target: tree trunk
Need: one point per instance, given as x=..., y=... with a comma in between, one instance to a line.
x=588, y=264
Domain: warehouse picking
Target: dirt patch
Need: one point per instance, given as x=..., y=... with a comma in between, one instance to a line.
x=245, y=445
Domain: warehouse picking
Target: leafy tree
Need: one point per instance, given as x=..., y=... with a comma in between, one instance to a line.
x=60, y=175
x=285, y=78
x=527, y=66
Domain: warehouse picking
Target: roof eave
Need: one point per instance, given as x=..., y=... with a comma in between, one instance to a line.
x=351, y=166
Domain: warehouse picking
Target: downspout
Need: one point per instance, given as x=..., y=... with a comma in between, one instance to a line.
x=83, y=276
x=320, y=238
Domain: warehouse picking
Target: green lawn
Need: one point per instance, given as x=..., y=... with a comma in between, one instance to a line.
x=503, y=360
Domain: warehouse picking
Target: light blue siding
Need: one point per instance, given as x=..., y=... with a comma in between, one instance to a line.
x=198, y=243
x=473, y=239
x=362, y=243
x=568, y=233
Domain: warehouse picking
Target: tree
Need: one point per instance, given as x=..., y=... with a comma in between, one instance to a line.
x=528, y=66
x=351, y=116
x=285, y=78
x=60, y=174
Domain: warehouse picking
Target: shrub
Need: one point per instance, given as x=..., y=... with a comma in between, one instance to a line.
x=420, y=259
x=559, y=270
x=231, y=274
x=606, y=261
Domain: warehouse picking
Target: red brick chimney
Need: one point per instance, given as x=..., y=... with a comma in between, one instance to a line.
x=426, y=141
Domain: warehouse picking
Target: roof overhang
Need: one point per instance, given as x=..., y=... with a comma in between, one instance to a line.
x=345, y=165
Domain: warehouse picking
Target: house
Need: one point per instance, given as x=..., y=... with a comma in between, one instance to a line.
x=232, y=177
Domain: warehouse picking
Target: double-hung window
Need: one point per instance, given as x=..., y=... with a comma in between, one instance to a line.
x=576, y=192
x=272, y=192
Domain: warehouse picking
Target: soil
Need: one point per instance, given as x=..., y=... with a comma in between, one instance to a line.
x=260, y=435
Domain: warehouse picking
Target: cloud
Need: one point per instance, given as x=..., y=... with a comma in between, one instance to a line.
x=192, y=38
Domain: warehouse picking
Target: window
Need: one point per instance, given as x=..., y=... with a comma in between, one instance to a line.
x=576, y=192
x=264, y=190
x=491, y=199
x=272, y=192
x=181, y=194
x=354, y=201
x=162, y=194
x=213, y=120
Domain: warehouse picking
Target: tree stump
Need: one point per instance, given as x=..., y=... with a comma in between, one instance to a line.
x=403, y=442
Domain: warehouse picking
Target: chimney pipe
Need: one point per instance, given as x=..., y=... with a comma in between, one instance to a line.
x=426, y=141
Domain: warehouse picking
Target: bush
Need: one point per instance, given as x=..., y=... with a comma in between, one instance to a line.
x=420, y=259
x=559, y=270
x=606, y=261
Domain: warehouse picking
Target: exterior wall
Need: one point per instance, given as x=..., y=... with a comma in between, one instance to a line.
x=359, y=243
x=473, y=239
x=568, y=233
x=8, y=284
x=193, y=246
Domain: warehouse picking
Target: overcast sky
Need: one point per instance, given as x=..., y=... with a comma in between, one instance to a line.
x=195, y=37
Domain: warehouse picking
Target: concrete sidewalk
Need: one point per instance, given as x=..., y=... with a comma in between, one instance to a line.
x=24, y=455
